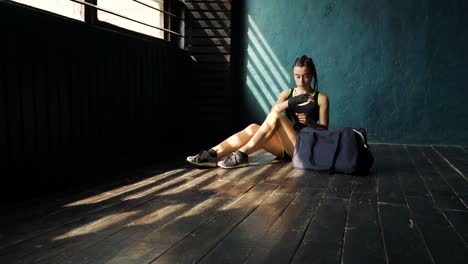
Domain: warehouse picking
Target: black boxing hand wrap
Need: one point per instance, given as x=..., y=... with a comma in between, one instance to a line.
x=294, y=101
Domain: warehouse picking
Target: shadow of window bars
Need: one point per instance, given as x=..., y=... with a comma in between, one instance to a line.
x=266, y=77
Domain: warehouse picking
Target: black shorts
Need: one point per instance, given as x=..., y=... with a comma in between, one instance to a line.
x=284, y=157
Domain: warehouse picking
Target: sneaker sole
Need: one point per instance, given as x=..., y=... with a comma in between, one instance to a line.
x=204, y=164
x=235, y=167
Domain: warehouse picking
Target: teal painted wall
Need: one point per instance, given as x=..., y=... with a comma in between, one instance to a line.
x=398, y=68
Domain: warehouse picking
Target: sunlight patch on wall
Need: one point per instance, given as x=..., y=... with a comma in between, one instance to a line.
x=256, y=31
x=257, y=95
x=263, y=88
x=266, y=77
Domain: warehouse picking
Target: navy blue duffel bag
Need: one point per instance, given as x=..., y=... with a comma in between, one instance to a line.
x=340, y=151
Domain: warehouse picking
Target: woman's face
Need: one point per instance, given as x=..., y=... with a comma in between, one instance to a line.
x=302, y=76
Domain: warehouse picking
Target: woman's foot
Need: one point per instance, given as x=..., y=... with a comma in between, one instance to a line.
x=236, y=159
x=203, y=159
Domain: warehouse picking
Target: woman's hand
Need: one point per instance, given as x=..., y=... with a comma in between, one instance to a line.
x=304, y=119
x=308, y=98
x=298, y=99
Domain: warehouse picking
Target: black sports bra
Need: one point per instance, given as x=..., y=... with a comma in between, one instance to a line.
x=310, y=108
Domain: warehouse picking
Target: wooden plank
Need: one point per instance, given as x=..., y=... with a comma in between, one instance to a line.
x=130, y=242
x=283, y=238
x=368, y=183
x=309, y=179
x=388, y=169
x=403, y=241
x=235, y=247
x=445, y=245
x=182, y=237
x=456, y=157
x=66, y=241
x=64, y=207
x=442, y=194
x=411, y=183
x=323, y=239
x=80, y=213
x=459, y=220
x=285, y=171
x=363, y=238
x=257, y=168
x=340, y=186
x=35, y=215
x=241, y=241
x=365, y=184
x=454, y=180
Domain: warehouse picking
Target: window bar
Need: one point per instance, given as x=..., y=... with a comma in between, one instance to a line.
x=157, y=9
x=122, y=16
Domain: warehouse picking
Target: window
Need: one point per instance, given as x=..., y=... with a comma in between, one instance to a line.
x=133, y=9
x=143, y=16
x=61, y=7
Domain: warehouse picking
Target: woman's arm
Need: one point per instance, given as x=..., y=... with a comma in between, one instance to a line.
x=324, y=114
x=282, y=102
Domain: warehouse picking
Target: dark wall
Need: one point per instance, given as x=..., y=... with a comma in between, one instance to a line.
x=75, y=97
x=395, y=67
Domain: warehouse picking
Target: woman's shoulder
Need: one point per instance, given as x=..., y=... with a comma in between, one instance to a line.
x=322, y=94
x=287, y=92
x=322, y=97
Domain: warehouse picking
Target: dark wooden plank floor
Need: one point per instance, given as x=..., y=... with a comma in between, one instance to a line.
x=412, y=208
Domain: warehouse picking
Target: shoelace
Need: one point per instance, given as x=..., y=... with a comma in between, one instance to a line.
x=231, y=159
x=202, y=155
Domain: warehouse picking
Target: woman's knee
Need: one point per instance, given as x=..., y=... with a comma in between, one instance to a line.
x=252, y=128
x=273, y=117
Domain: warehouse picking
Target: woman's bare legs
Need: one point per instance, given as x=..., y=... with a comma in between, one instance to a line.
x=236, y=141
x=276, y=125
x=275, y=135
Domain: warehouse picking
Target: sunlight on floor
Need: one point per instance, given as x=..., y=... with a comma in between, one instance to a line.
x=111, y=194
x=155, y=216
x=97, y=225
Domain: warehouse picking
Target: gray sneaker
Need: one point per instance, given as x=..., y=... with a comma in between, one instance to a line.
x=234, y=160
x=203, y=159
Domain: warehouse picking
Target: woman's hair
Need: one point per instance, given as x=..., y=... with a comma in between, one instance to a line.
x=309, y=63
